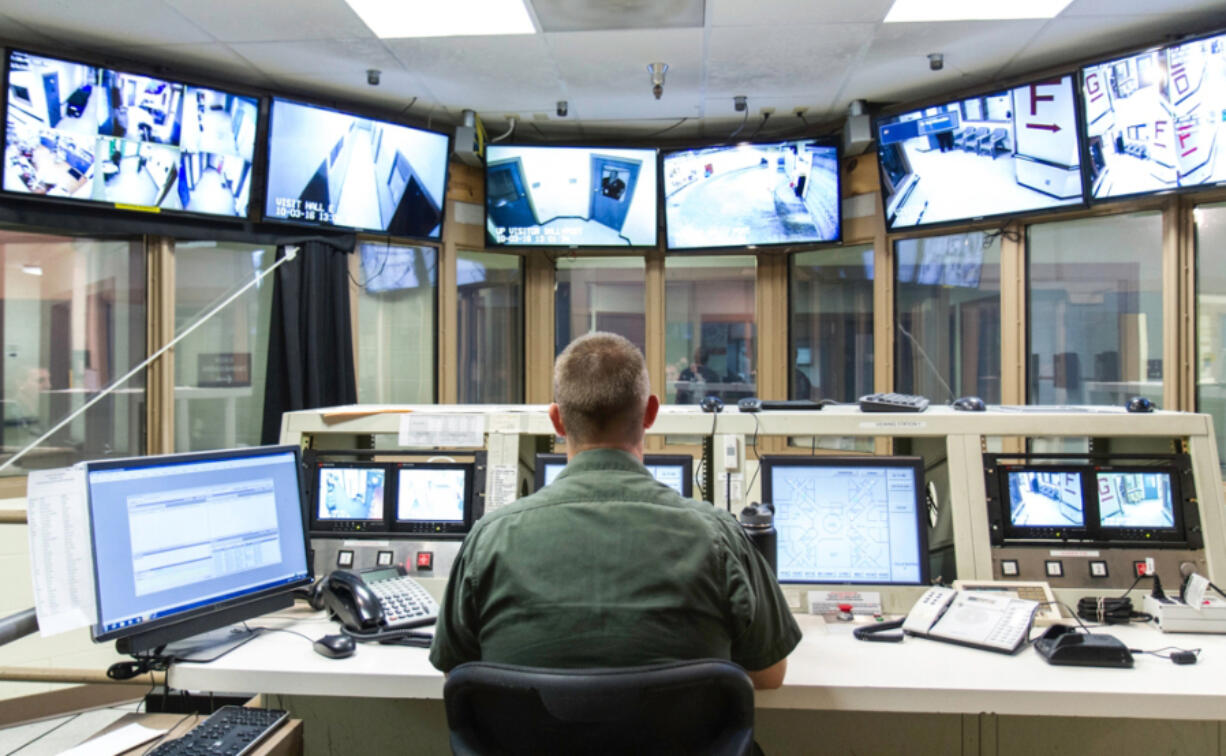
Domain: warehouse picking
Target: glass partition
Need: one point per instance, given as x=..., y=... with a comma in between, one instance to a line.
x=832, y=324
x=490, y=329
x=220, y=366
x=394, y=342
x=600, y=294
x=1211, y=318
x=710, y=342
x=947, y=329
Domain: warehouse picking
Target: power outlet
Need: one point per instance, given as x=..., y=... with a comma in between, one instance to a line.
x=731, y=452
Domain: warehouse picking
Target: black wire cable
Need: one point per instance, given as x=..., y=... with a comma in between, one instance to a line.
x=666, y=129
x=757, y=458
x=744, y=120
x=42, y=735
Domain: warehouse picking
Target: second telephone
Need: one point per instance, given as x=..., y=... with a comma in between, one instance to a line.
x=379, y=599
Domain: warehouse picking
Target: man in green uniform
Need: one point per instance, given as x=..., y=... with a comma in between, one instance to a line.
x=606, y=567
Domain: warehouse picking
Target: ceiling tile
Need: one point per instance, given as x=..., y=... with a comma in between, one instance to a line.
x=598, y=107
x=394, y=95
x=597, y=63
x=108, y=24
x=486, y=73
x=771, y=61
x=272, y=20
x=1137, y=7
x=12, y=29
x=347, y=59
x=567, y=15
x=795, y=12
x=211, y=61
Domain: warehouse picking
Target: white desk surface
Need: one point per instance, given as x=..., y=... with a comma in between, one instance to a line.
x=829, y=670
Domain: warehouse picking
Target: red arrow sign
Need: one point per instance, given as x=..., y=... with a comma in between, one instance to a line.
x=1052, y=127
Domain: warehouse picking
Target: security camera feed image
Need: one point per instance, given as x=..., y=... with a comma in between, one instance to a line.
x=570, y=196
x=1008, y=152
x=1045, y=499
x=327, y=168
x=430, y=495
x=735, y=195
x=1135, y=500
x=1153, y=121
x=351, y=493
x=87, y=133
x=672, y=476
x=847, y=524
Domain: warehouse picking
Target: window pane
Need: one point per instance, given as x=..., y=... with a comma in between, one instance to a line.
x=600, y=294
x=832, y=324
x=74, y=323
x=491, y=328
x=1094, y=305
x=947, y=339
x=219, y=367
x=1211, y=319
x=396, y=291
x=709, y=342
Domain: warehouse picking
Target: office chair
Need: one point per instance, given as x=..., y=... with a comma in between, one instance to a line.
x=703, y=706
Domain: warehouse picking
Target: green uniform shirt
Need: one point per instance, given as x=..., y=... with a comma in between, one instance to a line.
x=606, y=567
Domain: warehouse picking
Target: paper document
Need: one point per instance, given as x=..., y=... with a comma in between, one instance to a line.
x=418, y=429
x=502, y=492
x=61, y=564
x=124, y=739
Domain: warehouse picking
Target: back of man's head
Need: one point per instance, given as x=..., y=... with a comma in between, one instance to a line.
x=601, y=389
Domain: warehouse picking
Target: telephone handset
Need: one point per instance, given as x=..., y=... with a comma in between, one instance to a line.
x=378, y=600
x=991, y=621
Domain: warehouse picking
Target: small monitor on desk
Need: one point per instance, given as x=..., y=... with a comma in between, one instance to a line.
x=848, y=519
x=349, y=495
x=188, y=543
x=673, y=470
x=433, y=497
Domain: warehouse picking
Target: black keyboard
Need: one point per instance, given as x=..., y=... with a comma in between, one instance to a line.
x=893, y=403
x=754, y=404
x=229, y=731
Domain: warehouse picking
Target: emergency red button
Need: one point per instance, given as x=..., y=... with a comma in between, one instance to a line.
x=425, y=560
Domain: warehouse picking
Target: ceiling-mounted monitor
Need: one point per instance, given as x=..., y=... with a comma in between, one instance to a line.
x=752, y=194
x=332, y=169
x=570, y=196
x=1156, y=121
x=1007, y=152
x=79, y=132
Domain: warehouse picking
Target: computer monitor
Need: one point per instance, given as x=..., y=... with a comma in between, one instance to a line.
x=547, y=196
x=848, y=519
x=433, y=497
x=188, y=543
x=752, y=193
x=99, y=135
x=349, y=496
x=673, y=470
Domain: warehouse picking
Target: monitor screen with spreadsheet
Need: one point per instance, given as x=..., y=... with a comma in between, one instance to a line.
x=179, y=537
x=848, y=519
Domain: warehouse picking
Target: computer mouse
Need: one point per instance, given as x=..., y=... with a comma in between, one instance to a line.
x=712, y=403
x=335, y=646
x=969, y=404
x=1139, y=404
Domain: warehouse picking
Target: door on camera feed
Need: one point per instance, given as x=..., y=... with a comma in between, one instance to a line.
x=510, y=205
x=613, y=183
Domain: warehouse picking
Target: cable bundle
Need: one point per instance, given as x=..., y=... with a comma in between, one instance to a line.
x=1105, y=611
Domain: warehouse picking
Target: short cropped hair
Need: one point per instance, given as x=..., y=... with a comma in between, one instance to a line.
x=601, y=388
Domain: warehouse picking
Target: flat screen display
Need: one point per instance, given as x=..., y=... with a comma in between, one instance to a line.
x=673, y=470
x=1046, y=499
x=1007, y=152
x=849, y=519
x=430, y=494
x=570, y=196
x=94, y=134
x=737, y=195
x=175, y=536
x=1156, y=121
x=328, y=168
x=350, y=493
x=1135, y=499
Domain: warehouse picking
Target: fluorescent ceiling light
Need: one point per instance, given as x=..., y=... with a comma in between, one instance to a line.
x=33, y=270
x=972, y=10
x=449, y=18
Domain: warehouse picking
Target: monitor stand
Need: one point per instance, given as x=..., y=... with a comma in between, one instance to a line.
x=211, y=645
x=203, y=634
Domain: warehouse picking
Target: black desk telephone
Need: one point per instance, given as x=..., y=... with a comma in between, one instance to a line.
x=377, y=600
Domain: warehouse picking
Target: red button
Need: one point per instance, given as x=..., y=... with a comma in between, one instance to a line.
x=425, y=560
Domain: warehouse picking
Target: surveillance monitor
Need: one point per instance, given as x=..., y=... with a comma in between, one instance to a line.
x=673, y=470
x=752, y=194
x=104, y=136
x=848, y=519
x=349, y=497
x=433, y=498
x=570, y=196
x=188, y=543
x=1002, y=153
x=339, y=170
x=1153, y=120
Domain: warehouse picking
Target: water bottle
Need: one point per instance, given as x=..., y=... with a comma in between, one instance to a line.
x=758, y=520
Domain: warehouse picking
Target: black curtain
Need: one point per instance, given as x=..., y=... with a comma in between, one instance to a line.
x=310, y=348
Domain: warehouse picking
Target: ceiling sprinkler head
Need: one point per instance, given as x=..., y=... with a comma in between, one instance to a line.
x=657, y=71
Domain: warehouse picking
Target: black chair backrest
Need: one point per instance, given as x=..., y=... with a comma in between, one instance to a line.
x=693, y=707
